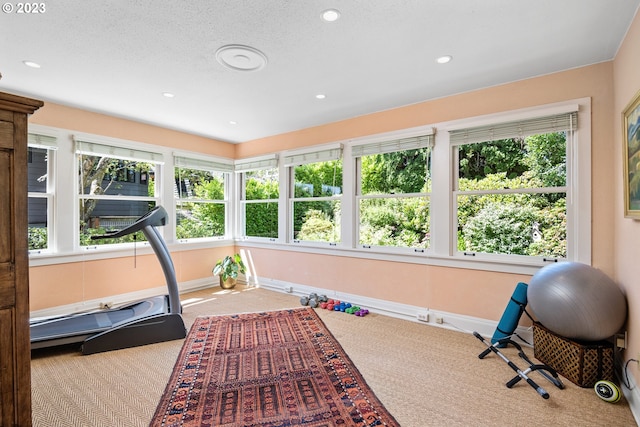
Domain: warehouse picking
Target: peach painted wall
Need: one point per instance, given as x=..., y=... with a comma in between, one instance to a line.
x=626, y=231
x=70, y=283
x=462, y=291
x=444, y=289
x=64, y=117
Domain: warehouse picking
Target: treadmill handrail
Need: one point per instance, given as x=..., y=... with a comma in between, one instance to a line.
x=155, y=217
x=147, y=223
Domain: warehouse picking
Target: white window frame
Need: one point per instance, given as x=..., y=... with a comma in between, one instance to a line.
x=578, y=186
x=208, y=164
x=294, y=158
x=44, y=139
x=241, y=167
x=423, y=139
x=118, y=149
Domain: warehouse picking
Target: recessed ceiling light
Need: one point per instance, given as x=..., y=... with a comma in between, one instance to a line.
x=31, y=64
x=331, y=15
x=168, y=95
x=233, y=122
x=321, y=96
x=444, y=59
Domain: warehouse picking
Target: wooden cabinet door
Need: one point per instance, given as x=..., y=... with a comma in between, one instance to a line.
x=8, y=393
x=15, y=347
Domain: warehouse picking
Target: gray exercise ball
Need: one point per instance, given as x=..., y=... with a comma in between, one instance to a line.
x=577, y=301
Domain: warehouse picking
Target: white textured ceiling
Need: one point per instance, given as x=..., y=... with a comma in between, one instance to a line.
x=118, y=56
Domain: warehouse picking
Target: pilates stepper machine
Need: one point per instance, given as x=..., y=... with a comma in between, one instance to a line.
x=546, y=371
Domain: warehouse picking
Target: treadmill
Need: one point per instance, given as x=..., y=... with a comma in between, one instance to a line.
x=150, y=321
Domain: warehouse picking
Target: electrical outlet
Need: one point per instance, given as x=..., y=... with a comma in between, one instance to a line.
x=106, y=305
x=621, y=340
x=439, y=319
x=423, y=317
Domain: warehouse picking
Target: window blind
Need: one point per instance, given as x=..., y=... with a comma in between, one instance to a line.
x=124, y=153
x=517, y=129
x=256, y=163
x=305, y=157
x=42, y=141
x=402, y=144
x=202, y=164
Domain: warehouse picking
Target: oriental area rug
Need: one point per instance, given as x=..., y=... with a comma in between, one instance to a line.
x=279, y=368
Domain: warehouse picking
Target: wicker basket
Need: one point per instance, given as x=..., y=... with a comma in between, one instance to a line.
x=582, y=363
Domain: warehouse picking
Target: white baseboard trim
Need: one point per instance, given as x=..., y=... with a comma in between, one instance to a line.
x=451, y=321
x=121, y=299
x=633, y=398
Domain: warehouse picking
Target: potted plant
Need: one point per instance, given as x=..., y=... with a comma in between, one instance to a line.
x=228, y=269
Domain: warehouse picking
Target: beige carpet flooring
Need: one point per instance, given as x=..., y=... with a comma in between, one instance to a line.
x=424, y=375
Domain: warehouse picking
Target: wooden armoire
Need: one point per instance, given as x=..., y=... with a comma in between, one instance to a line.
x=15, y=345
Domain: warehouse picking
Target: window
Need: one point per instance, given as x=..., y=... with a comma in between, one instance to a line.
x=502, y=192
x=40, y=186
x=315, y=194
x=393, y=193
x=259, y=198
x=201, y=197
x=511, y=187
x=116, y=186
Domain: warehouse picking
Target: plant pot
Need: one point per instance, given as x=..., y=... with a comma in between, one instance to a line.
x=230, y=283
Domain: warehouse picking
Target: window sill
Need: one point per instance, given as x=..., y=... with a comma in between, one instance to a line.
x=528, y=266
x=117, y=251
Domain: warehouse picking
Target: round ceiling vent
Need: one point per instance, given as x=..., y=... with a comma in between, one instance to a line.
x=241, y=58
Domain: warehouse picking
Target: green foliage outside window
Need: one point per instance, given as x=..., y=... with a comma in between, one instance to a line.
x=37, y=238
x=394, y=220
x=399, y=222
x=517, y=223
x=509, y=228
x=318, y=179
x=317, y=220
x=399, y=172
x=318, y=226
x=261, y=217
x=261, y=220
x=200, y=210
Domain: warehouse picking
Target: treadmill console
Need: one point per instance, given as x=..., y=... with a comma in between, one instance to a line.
x=156, y=217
